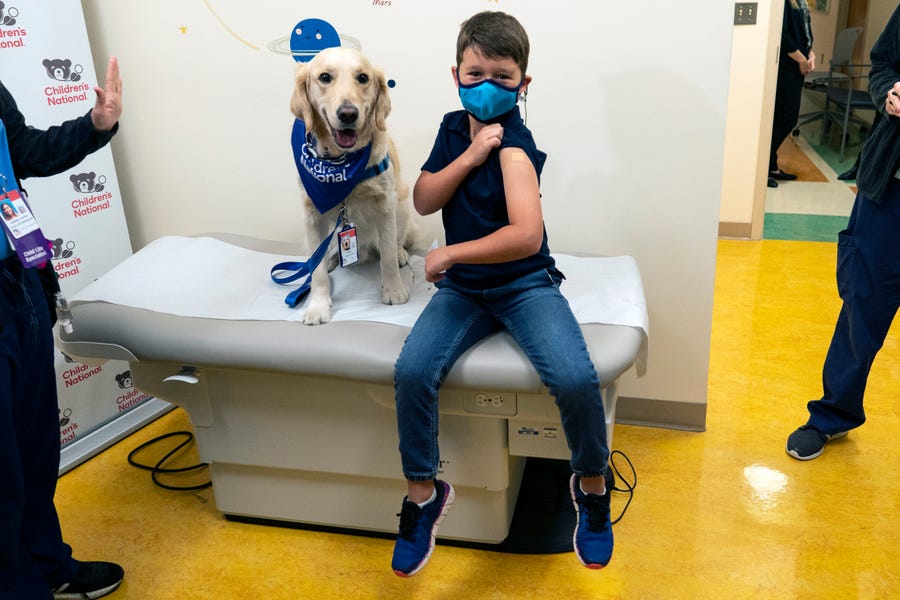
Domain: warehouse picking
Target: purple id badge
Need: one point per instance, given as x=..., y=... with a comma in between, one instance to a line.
x=22, y=230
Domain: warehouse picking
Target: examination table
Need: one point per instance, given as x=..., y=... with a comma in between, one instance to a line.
x=297, y=422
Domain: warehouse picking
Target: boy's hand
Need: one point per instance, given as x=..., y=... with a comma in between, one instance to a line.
x=437, y=262
x=485, y=140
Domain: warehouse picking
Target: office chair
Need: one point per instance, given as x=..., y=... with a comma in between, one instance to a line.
x=817, y=81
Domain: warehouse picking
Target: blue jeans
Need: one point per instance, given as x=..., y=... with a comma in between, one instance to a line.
x=539, y=319
x=33, y=557
x=868, y=279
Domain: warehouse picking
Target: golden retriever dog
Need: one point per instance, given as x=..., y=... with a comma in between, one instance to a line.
x=343, y=101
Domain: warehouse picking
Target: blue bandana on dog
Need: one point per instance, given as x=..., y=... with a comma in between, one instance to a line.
x=329, y=181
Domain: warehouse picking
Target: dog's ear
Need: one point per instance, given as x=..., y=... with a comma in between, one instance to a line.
x=382, y=102
x=299, y=99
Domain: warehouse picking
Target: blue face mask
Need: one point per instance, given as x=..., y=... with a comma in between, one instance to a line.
x=488, y=99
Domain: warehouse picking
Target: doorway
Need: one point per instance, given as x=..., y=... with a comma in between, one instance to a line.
x=816, y=206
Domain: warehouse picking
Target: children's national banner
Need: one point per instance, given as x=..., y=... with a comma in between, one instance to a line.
x=46, y=63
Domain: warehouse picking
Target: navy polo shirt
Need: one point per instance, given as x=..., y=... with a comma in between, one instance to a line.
x=478, y=207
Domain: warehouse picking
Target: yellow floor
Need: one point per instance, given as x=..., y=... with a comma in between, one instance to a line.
x=720, y=514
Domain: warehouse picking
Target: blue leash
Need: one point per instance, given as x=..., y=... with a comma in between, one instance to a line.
x=303, y=269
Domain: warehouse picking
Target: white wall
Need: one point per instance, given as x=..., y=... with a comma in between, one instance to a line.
x=824, y=29
x=628, y=100
x=879, y=14
x=754, y=66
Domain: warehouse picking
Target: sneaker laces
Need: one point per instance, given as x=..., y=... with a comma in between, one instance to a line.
x=597, y=508
x=409, y=518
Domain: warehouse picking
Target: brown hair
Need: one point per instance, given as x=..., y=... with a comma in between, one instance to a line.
x=495, y=35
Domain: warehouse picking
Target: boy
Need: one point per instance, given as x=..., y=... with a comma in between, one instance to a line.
x=495, y=273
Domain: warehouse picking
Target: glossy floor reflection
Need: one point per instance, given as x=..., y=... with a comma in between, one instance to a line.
x=720, y=514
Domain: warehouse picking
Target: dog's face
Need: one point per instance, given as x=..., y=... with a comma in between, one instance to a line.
x=342, y=99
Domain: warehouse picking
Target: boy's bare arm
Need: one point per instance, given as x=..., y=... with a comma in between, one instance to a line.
x=521, y=238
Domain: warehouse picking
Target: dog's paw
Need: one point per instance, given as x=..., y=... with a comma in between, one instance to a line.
x=402, y=257
x=317, y=314
x=397, y=295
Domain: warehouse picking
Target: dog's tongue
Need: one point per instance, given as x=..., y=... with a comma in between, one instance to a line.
x=345, y=138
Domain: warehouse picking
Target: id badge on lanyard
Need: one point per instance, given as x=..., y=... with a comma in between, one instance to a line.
x=22, y=229
x=19, y=224
x=349, y=249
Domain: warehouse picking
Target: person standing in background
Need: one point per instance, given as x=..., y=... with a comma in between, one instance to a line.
x=795, y=60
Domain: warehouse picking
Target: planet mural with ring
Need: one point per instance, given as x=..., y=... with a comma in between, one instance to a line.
x=309, y=37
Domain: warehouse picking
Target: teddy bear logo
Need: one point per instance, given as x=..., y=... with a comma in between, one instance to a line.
x=85, y=184
x=8, y=15
x=62, y=70
x=124, y=380
x=62, y=249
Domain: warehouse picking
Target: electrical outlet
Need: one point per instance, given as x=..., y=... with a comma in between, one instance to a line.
x=745, y=13
x=490, y=403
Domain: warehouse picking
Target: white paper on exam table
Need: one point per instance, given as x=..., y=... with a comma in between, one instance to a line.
x=208, y=278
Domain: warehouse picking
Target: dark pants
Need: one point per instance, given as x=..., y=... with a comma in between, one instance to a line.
x=787, y=105
x=868, y=279
x=33, y=556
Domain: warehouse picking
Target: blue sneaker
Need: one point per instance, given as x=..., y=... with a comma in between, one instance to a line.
x=593, y=539
x=418, y=528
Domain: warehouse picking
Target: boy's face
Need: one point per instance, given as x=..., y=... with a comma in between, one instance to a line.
x=476, y=67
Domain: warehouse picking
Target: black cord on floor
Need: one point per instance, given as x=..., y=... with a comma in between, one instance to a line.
x=629, y=486
x=156, y=469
